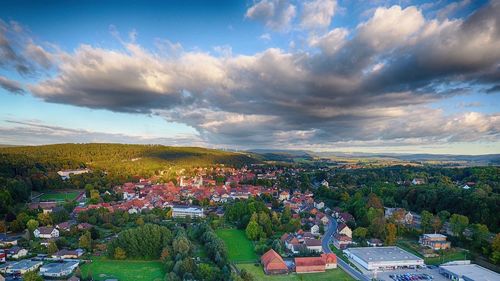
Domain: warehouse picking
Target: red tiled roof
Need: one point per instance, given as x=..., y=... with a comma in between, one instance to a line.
x=309, y=264
x=273, y=261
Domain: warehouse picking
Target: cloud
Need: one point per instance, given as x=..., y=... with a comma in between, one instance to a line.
x=374, y=83
x=452, y=8
x=275, y=14
x=33, y=132
x=317, y=13
x=11, y=85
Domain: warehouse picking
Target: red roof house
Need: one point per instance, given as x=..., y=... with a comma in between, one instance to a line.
x=310, y=264
x=330, y=260
x=273, y=263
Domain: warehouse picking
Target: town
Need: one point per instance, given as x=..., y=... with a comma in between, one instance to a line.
x=267, y=229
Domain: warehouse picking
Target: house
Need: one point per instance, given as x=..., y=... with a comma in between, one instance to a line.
x=66, y=174
x=59, y=269
x=284, y=195
x=313, y=245
x=345, y=230
x=65, y=226
x=466, y=187
x=21, y=267
x=3, y=256
x=7, y=241
x=46, y=232
x=310, y=265
x=319, y=205
x=84, y=226
x=324, y=183
x=418, y=181
x=374, y=242
x=341, y=241
x=17, y=252
x=68, y=254
x=435, y=241
x=315, y=229
x=273, y=263
x=345, y=217
x=324, y=220
x=330, y=260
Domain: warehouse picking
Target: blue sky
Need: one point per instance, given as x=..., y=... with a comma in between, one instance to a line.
x=393, y=76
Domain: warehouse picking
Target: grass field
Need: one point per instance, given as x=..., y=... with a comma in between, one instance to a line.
x=332, y=274
x=238, y=246
x=448, y=255
x=60, y=196
x=103, y=269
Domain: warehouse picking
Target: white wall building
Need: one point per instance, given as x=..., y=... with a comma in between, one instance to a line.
x=381, y=258
x=187, y=211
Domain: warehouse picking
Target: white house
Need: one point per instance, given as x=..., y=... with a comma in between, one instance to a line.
x=315, y=229
x=313, y=245
x=17, y=252
x=418, y=181
x=46, y=232
x=345, y=230
x=319, y=205
x=284, y=195
x=325, y=183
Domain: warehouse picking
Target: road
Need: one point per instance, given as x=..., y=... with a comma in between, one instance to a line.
x=332, y=228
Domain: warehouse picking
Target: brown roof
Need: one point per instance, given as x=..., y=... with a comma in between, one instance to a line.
x=312, y=242
x=273, y=261
x=45, y=230
x=309, y=264
x=329, y=258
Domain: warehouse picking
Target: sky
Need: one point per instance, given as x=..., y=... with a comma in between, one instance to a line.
x=323, y=75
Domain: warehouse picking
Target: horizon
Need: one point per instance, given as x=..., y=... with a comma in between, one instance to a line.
x=339, y=76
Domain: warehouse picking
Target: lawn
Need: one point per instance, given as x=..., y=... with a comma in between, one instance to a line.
x=103, y=269
x=448, y=255
x=60, y=196
x=239, y=247
x=332, y=274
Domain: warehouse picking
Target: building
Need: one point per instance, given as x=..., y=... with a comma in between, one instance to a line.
x=313, y=245
x=17, y=252
x=66, y=174
x=343, y=229
x=273, y=263
x=46, y=232
x=418, y=181
x=3, y=256
x=374, y=242
x=468, y=272
x=2, y=278
x=59, y=269
x=341, y=241
x=375, y=258
x=68, y=254
x=187, y=211
x=435, y=241
x=330, y=260
x=310, y=265
x=7, y=241
x=21, y=267
x=325, y=183
x=315, y=229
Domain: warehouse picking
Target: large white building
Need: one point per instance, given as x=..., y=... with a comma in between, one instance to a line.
x=187, y=211
x=375, y=258
x=59, y=269
x=468, y=272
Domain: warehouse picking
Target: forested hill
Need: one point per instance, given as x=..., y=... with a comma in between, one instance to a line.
x=122, y=159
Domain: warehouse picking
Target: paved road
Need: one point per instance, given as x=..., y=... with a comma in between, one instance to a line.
x=332, y=228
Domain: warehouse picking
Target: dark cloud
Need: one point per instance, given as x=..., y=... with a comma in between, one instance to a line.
x=11, y=85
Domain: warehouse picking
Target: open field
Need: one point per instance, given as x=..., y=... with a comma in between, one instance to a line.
x=238, y=246
x=126, y=270
x=60, y=196
x=332, y=274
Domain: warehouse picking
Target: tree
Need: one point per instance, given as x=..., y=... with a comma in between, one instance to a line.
x=85, y=241
x=44, y=219
x=165, y=254
x=286, y=215
x=427, y=219
x=458, y=224
x=480, y=233
x=32, y=276
x=391, y=231
x=443, y=215
x=31, y=225
x=360, y=232
x=120, y=254
x=253, y=230
x=139, y=221
x=374, y=202
x=52, y=248
x=495, y=249
x=437, y=224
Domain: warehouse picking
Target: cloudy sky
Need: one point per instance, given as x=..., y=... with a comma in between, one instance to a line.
x=341, y=75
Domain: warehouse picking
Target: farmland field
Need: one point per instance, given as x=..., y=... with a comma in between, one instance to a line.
x=238, y=246
x=60, y=196
x=126, y=270
x=332, y=274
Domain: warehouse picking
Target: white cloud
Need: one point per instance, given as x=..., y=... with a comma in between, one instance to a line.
x=317, y=13
x=275, y=14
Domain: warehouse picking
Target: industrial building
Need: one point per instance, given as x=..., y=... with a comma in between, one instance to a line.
x=374, y=258
x=187, y=211
x=468, y=272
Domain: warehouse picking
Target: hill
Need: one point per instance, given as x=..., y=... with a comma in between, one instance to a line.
x=128, y=159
